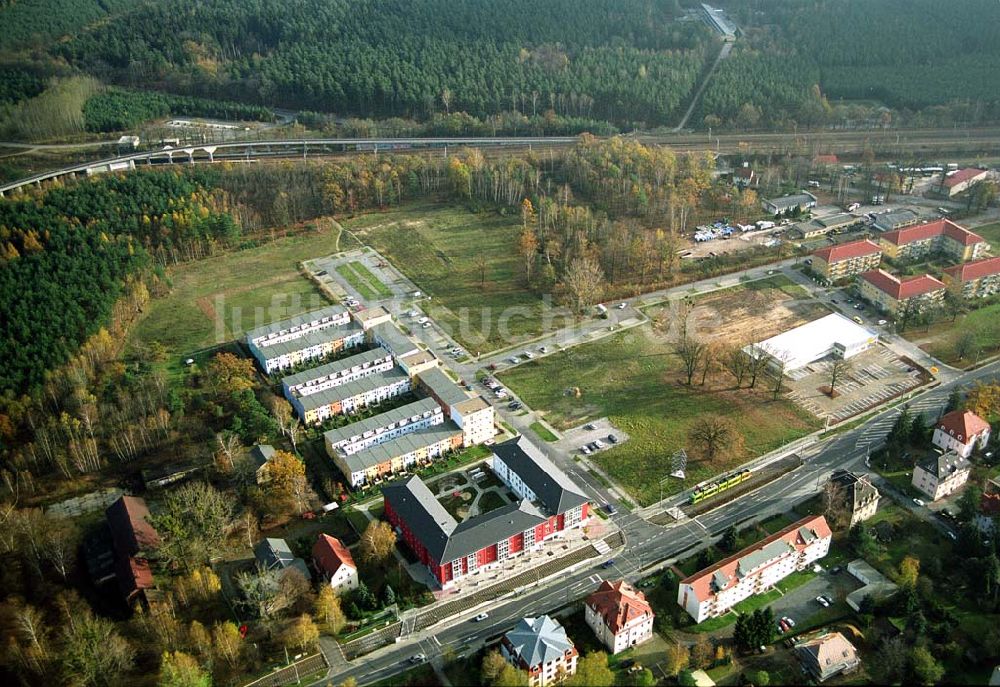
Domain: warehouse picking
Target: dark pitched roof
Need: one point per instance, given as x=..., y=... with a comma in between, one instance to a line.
x=552, y=486
x=445, y=538
x=859, y=491
x=944, y=465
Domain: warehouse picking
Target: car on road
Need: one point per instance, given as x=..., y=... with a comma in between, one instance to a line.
x=858, y=319
x=610, y=509
x=622, y=306
x=612, y=438
x=822, y=602
x=418, y=658
x=481, y=617
x=919, y=502
x=608, y=563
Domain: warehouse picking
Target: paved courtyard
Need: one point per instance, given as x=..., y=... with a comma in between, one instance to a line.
x=874, y=377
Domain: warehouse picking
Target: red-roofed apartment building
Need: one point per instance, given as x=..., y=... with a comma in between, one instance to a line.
x=133, y=539
x=754, y=570
x=962, y=180
x=846, y=259
x=335, y=563
x=619, y=615
x=941, y=236
x=960, y=431
x=980, y=278
x=893, y=295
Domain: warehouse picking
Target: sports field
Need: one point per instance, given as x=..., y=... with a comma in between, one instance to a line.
x=468, y=263
x=633, y=379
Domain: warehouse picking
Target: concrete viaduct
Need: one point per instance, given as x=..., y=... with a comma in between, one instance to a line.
x=279, y=148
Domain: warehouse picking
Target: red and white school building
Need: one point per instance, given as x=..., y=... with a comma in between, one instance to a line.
x=549, y=504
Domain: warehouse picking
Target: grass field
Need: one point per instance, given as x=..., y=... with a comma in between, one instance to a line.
x=633, y=379
x=990, y=232
x=543, y=431
x=217, y=299
x=940, y=339
x=437, y=247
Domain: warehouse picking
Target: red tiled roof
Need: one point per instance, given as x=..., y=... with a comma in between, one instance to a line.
x=963, y=424
x=825, y=160
x=902, y=289
x=618, y=604
x=846, y=251
x=922, y=232
x=963, y=175
x=701, y=581
x=974, y=270
x=989, y=504
x=329, y=554
x=128, y=518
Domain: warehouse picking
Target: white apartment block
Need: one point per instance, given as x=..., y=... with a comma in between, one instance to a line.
x=298, y=326
x=336, y=373
x=384, y=427
x=475, y=417
x=941, y=475
x=314, y=344
x=351, y=396
x=754, y=570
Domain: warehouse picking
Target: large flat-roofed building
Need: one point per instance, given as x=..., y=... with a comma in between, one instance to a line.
x=894, y=295
x=452, y=550
x=336, y=373
x=941, y=236
x=831, y=335
x=754, y=570
x=415, y=363
x=977, y=279
x=802, y=201
x=372, y=317
x=383, y=427
x=474, y=415
x=380, y=461
x=821, y=226
x=351, y=396
x=846, y=259
x=314, y=344
x=297, y=326
x=896, y=219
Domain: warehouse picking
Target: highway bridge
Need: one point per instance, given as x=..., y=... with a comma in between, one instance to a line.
x=291, y=148
x=886, y=143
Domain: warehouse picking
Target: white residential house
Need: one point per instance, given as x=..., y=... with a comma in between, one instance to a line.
x=961, y=431
x=619, y=615
x=334, y=562
x=540, y=647
x=940, y=475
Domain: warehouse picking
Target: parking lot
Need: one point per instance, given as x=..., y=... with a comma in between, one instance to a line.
x=587, y=435
x=875, y=376
x=800, y=604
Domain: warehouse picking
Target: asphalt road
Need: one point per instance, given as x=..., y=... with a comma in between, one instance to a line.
x=647, y=544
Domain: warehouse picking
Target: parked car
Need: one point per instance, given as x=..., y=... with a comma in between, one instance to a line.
x=882, y=323
x=858, y=319
x=789, y=621
x=418, y=658
x=543, y=349
x=514, y=360
x=822, y=602
x=590, y=425
x=529, y=355
x=598, y=444
x=612, y=438
x=585, y=450
x=919, y=502
x=610, y=509
x=514, y=405
x=608, y=563
x=622, y=306
x=827, y=599
x=426, y=325
x=423, y=320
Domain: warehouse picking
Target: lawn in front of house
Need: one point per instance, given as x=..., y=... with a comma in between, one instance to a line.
x=942, y=339
x=633, y=379
x=484, y=305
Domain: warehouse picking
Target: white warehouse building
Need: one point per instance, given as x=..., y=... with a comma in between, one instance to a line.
x=831, y=335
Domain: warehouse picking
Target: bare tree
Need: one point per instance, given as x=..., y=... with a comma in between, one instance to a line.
x=778, y=370
x=61, y=540
x=736, y=362
x=288, y=423
x=758, y=362
x=481, y=265
x=691, y=352
x=268, y=592
x=709, y=360
x=713, y=434
x=585, y=281
x=229, y=450
x=839, y=367
x=835, y=506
